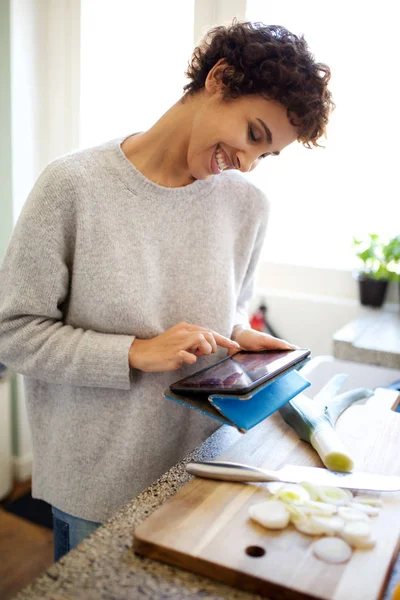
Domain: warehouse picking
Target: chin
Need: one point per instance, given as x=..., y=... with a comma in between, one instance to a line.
x=201, y=173
x=196, y=174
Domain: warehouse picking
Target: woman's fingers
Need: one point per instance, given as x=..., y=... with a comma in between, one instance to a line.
x=185, y=357
x=279, y=344
x=219, y=339
x=176, y=346
x=199, y=344
x=225, y=342
x=211, y=340
x=250, y=339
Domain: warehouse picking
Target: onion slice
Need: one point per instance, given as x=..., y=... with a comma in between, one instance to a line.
x=311, y=489
x=330, y=525
x=313, y=507
x=272, y=514
x=352, y=514
x=332, y=550
x=356, y=532
x=334, y=495
x=308, y=526
x=371, y=511
x=292, y=492
x=369, y=500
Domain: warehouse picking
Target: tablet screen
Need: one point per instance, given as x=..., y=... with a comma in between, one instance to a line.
x=241, y=372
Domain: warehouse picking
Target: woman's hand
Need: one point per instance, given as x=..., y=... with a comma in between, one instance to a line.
x=176, y=346
x=250, y=339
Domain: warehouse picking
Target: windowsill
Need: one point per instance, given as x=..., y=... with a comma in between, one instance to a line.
x=373, y=338
x=316, y=281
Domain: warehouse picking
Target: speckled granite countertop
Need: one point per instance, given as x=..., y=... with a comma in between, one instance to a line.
x=104, y=567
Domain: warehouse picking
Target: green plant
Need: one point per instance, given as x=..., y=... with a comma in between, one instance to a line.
x=371, y=252
x=391, y=252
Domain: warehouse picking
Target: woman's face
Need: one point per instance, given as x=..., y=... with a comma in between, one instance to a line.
x=236, y=134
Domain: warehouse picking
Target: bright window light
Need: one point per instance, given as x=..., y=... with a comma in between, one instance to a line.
x=322, y=197
x=133, y=59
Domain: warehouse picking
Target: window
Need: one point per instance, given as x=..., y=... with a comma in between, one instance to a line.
x=133, y=59
x=322, y=197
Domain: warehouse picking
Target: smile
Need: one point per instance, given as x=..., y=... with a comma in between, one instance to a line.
x=219, y=161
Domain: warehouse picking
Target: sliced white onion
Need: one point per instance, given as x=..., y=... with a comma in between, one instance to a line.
x=364, y=544
x=274, y=486
x=320, y=510
x=371, y=511
x=330, y=525
x=332, y=550
x=348, y=493
x=292, y=492
x=368, y=500
x=296, y=509
x=308, y=526
x=355, y=532
x=311, y=489
x=312, y=507
x=333, y=495
x=352, y=514
x=272, y=514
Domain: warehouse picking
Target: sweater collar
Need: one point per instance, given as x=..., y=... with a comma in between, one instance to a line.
x=137, y=183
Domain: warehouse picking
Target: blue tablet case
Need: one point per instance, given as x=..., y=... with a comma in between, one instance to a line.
x=244, y=412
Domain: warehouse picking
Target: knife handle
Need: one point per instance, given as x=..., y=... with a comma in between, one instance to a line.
x=230, y=471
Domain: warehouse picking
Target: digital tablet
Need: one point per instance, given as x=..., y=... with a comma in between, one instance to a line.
x=240, y=373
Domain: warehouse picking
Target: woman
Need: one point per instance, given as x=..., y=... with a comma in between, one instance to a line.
x=132, y=265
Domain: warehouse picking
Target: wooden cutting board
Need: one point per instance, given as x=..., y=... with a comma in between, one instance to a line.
x=205, y=527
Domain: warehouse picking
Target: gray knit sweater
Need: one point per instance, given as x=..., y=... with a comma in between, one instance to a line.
x=99, y=255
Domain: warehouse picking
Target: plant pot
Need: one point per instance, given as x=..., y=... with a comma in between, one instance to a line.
x=372, y=291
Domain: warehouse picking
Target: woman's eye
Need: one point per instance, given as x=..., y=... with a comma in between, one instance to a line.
x=251, y=134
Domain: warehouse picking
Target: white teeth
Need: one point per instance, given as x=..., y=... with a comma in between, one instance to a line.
x=220, y=161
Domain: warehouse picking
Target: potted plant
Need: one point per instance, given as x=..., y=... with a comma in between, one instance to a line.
x=373, y=277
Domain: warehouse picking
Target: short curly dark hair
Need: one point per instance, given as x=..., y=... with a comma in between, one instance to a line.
x=271, y=61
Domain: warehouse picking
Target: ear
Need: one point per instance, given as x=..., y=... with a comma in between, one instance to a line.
x=213, y=81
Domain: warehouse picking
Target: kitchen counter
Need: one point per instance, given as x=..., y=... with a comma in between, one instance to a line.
x=372, y=338
x=104, y=566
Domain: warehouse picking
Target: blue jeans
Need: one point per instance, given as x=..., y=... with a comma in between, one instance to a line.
x=69, y=531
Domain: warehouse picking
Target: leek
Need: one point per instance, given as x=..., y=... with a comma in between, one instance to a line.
x=342, y=518
x=314, y=421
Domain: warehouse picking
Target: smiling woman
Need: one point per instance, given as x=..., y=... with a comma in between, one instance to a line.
x=253, y=90
x=152, y=242
x=271, y=62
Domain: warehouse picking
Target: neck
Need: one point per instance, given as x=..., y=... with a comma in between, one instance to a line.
x=160, y=153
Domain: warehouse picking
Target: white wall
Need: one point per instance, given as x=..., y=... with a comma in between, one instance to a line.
x=44, y=123
x=209, y=13
x=308, y=305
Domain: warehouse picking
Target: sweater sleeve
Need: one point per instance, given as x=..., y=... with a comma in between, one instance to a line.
x=34, y=283
x=247, y=288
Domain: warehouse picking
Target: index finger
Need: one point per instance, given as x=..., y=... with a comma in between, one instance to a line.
x=224, y=341
x=221, y=340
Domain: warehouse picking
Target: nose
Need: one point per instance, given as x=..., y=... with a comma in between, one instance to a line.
x=245, y=162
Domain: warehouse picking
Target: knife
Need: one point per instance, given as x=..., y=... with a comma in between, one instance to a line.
x=231, y=471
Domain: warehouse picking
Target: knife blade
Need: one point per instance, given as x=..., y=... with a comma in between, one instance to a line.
x=231, y=471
